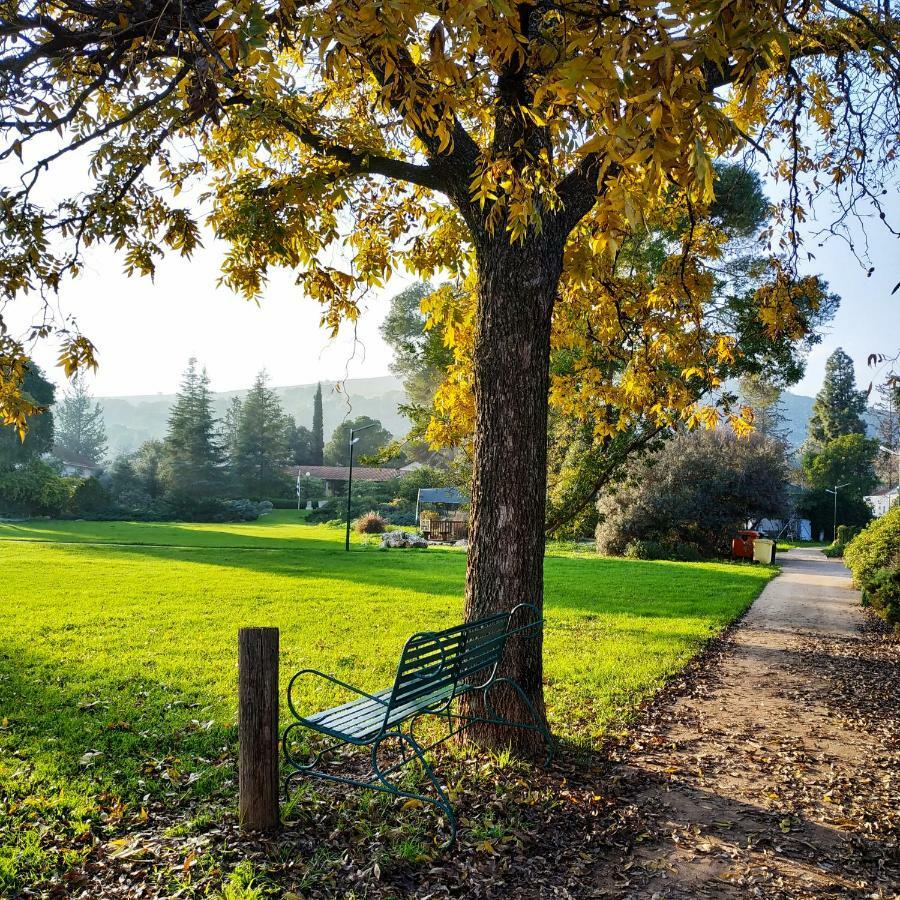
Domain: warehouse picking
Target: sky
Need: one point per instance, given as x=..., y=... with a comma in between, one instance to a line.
x=145, y=331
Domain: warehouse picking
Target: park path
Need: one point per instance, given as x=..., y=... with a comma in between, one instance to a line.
x=776, y=772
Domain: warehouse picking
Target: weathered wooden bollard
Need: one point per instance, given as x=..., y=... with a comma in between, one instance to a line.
x=258, y=729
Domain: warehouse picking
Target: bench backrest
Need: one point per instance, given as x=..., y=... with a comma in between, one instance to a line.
x=434, y=663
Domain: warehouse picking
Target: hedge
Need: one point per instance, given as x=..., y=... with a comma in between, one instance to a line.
x=873, y=557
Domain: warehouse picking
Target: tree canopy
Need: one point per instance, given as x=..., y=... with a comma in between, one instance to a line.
x=369, y=442
x=582, y=119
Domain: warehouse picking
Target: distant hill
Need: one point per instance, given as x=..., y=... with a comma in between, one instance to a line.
x=798, y=410
x=132, y=420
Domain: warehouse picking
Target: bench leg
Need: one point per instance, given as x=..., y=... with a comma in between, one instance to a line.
x=538, y=724
x=442, y=802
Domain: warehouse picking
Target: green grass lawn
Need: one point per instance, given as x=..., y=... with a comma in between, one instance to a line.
x=118, y=653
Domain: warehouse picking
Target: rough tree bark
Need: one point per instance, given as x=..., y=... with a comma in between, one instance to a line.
x=517, y=291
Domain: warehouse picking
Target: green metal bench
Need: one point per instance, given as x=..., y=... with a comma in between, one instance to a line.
x=435, y=670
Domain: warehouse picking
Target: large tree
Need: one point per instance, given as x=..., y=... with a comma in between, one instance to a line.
x=79, y=423
x=513, y=145
x=839, y=407
x=193, y=458
x=261, y=451
x=848, y=463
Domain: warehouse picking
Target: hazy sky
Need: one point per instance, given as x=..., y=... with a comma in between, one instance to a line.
x=145, y=331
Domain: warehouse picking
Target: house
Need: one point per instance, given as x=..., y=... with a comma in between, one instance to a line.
x=881, y=501
x=74, y=463
x=336, y=476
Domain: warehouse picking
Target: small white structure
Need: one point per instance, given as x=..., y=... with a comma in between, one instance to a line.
x=881, y=501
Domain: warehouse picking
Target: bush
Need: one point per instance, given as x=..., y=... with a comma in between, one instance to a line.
x=34, y=489
x=370, y=523
x=883, y=594
x=834, y=551
x=873, y=557
x=846, y=533
x=196, y=509
x=90, y=497
x=877, y=546
x=644, y=550
x=284, y=504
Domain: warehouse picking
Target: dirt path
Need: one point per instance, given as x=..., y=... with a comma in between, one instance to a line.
x=777, y=773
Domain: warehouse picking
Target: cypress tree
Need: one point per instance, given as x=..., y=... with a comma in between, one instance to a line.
x=318, y=429
x=839, y=406
x=193, y=457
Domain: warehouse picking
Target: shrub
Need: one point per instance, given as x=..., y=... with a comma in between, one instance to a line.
x=846, y=533
x=834, y=551
x=285, y=504
x=883, y=593
x=876, y=546
x=34, y=489
x=370, y=523
x=90, y=497
x=873, y=557
x=644, y=550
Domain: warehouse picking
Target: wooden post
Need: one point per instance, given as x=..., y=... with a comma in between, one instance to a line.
x=258, y=728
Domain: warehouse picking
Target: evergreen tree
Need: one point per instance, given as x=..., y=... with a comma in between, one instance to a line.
x=79, y=424
x=192, y=455
x=839, y=406
x=764, y=397
x=318, y=430
x=39, y=439
x=261, y=452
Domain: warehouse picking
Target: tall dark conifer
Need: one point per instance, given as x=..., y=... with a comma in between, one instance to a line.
x=318, y=429
x=839, y=406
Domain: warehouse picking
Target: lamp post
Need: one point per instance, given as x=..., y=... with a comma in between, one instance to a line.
x=897, y=454
x=837, y=487
x=353, y=440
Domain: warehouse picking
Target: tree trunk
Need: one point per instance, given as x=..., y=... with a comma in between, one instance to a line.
x=517, y=290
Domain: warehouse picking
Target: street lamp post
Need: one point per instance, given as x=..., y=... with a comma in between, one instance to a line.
x=837, y=487
x=353, y=440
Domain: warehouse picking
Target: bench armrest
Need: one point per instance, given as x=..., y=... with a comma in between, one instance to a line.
x=333, y=680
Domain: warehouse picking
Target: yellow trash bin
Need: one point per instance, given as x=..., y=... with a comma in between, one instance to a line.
x=764, y=551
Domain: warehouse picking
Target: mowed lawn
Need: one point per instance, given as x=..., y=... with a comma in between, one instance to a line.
x=118, y=652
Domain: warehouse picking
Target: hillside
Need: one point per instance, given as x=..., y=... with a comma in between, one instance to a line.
x=132, y=420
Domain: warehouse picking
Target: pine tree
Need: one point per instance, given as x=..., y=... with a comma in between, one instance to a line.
x=318, y=429
x=261, y=452
x=79, y=424
x=764, y=397
x=839, y=406
x=193, y=457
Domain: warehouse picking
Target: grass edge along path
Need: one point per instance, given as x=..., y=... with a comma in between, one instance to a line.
x=117, y=658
